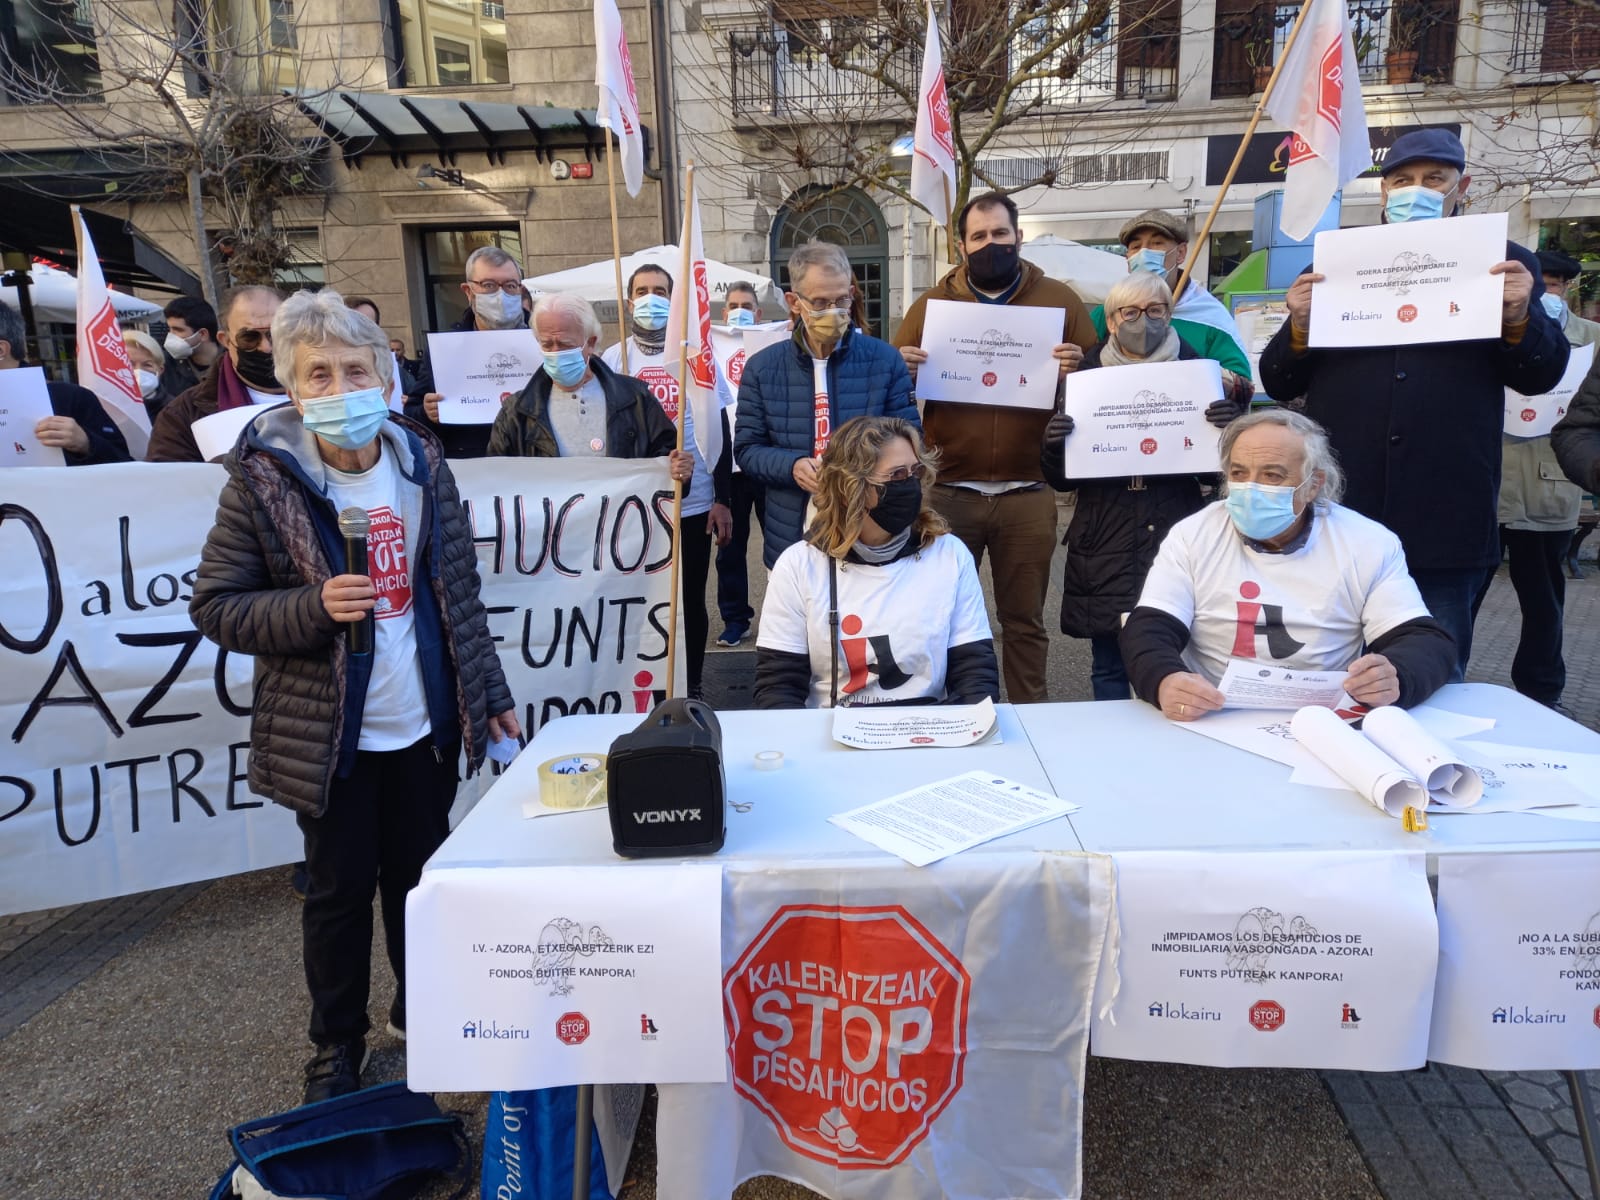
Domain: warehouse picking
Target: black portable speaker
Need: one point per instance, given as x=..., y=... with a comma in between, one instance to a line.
x=665, y=786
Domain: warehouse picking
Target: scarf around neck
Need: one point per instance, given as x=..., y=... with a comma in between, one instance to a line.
x=1112, y=354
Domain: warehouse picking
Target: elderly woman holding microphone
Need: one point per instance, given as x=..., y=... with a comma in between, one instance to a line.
x=878, y=604
x=1117, y=524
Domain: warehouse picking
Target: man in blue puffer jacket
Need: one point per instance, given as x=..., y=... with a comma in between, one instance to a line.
x=795, y=394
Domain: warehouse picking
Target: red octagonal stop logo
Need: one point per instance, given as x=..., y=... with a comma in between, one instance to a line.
x=1266, y=1015
x=572, y=1028
x=847, y=1027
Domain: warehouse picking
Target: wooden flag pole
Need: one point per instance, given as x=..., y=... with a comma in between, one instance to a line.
x=684, y=281
x=1233, y=168
x=616, y=248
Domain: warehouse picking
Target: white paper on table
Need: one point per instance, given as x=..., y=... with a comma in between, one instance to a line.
x=1288, y=959
x=1519, y=961
x=1536, y=416
x=218, y=433
x=990, y=354
x=1250, y=683
x=1143, y=419
x=523, y=979
x=24, y=402
x=476, y=371
x=892, y=726
x=1577, y=770
x=1400, y=285
x=1443, y=774
x=1367, y=769
x=940, y=819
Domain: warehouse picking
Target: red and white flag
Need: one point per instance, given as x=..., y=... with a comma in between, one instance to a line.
x=619, y=99
x=1318, y=97
x=933, y=157
x=103, y=365
x=700, y=379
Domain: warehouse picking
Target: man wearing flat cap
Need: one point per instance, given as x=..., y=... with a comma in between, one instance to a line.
x=1417, y=428
x=1158, y=241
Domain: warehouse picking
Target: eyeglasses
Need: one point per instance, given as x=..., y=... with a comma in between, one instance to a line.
x=487, y=287
x=1159, y=311
x=900, y=475
x=826, y=302
x=252, y=339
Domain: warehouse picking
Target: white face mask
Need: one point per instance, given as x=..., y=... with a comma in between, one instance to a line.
x=178, y=346
x=149, y=383
x=498, y=310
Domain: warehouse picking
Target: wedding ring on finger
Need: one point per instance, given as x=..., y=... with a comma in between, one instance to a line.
x=1182, y=708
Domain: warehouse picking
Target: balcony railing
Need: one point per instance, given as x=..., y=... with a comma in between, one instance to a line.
x=819, y=70
x=1113, y=61
x=1555, y=36
x=1399, y=42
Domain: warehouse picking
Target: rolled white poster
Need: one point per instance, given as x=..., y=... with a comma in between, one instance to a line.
x=1449, y=781
x=1357, y=761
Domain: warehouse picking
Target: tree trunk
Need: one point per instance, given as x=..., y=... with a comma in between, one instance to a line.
x=202, y=244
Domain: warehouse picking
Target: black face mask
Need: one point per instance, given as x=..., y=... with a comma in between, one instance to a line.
x=994, y=267
x=899, y=503
x=255, y=368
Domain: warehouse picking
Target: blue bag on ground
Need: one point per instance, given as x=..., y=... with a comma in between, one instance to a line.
x=380, y=1143
x=527, y=1147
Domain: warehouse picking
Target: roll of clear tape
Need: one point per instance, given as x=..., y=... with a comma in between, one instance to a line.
x=573, y=781
x=769, y=760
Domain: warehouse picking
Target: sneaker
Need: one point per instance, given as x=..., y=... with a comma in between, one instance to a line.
x=733, y=633
x=335, y=1070
x=299, y=881
x=397, y=1020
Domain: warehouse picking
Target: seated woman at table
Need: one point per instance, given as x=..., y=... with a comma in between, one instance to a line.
x=903, y=592
x=1282, y=573
x=1118, y=523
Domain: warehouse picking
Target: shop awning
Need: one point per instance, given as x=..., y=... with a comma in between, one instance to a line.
x=42, y=226
x=366, y=123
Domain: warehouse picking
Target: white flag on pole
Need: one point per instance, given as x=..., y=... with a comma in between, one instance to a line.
x=700, y=377
x=103, y=365
x=933, y=158
x=1318, y=97
x=619, y=100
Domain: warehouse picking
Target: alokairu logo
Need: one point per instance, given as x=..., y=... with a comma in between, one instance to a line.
x=1179, y=1011
x=1511, y=1015
x=493, y=1031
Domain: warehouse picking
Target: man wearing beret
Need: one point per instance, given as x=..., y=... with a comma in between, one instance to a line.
x=1417, y=428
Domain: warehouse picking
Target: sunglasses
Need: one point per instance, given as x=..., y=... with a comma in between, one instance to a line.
x=251, y=339
x=900, y=475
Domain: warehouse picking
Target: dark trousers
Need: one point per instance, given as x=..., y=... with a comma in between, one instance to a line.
x=694, y=567
x=733, y=560
x=1451, y=594
x=1108, y=677
x=1538, y=670
x=381, y=824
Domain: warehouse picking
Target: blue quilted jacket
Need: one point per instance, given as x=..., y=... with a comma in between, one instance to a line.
x=866, y=378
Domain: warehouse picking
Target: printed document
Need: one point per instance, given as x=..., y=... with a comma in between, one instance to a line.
x=990, y=354
x=24, y=402
x=890, y=727
x=1143, y=419
x=1248, y=683
x=475, y=372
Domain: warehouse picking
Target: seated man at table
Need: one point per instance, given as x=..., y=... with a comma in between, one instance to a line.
x=1281, y=570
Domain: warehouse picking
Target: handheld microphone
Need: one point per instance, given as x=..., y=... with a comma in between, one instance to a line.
x=354, y=524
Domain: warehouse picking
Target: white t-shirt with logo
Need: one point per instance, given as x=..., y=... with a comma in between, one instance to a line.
x=396, y=710
x=897, y=622
x=1314, y=608
x=661, y=377
x=821, y=408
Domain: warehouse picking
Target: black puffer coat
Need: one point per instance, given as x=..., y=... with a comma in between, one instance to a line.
x=259, y=592
x=1116, y=529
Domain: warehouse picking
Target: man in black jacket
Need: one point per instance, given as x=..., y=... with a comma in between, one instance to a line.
x=81, y=428
x=493, y=289
x=1417, y=428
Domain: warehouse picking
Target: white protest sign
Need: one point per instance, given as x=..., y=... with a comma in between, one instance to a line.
x=24, y=402
x=1402, y=285
x=990, y=354
x=565, y=975
x=1143, y=419
x=734, y=345
x=1536, y=416
x=1290, y=959
x=129, y=733
x=477, y=371
x=217, y=433
x=1519, y=962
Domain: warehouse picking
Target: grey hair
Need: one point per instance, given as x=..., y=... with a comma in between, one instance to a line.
x=568, y=306
x=13, y=332
x=492, y=255
x=743, y=285
x=321, y=319
x=1138, y=288
x=138, y=337
x=1318, y=454
x=816, y=254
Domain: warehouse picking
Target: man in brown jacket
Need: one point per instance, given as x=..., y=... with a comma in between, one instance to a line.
x=990, y=487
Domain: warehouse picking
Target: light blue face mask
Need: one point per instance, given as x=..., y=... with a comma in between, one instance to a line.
x=1154, y=261
x=1260, y=510
x=348, y=421
x=499, y=310
x=650, y=312
x=1555, y=306
x=1413, y=204
x=741, y=316
x=566, y=367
